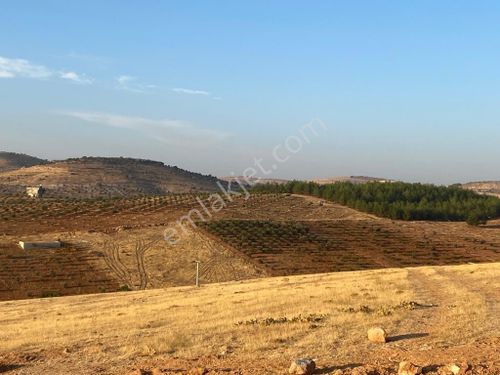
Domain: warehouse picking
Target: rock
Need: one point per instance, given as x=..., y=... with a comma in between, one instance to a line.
x=377, y=335
x=303, y=366
x=408, y=368
x=454, y=369
x=225, y=350
x=123, y=227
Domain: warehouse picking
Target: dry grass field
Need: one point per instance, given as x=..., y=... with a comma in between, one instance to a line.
x=434, y=315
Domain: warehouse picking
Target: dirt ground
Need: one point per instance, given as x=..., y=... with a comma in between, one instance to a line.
x=111, y=245
x=433, y=315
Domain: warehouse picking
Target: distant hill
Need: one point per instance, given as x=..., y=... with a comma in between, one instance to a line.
x=352, y=179
x=253, y=180
x=90, y=177
x=484, y=187
x=10, y=161
x=321, y=181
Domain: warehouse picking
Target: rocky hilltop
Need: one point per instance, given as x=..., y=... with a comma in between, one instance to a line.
x=90, y=177
x=484, y=187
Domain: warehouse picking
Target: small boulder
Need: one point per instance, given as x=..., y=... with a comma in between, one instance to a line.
x=408, y=368
x=303, y=366
x=455, y=369
x=377, y=335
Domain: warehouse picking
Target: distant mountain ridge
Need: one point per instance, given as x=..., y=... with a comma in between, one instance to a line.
x=10, y=161
x=253, y=180
x=352, y=179
x=121, y=176
x=90, y=177
x=321, y=181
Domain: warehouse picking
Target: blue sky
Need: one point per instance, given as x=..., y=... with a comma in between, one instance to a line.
x=408, y=90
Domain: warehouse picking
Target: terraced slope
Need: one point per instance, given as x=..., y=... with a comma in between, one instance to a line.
x=266, y=234
x=127, y=260
x=21, y=215
x=288, y=248
x=73, y=269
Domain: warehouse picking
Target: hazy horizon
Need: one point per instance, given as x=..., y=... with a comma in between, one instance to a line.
x=407, y=91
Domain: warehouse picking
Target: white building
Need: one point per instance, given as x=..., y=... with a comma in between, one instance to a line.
x=35, y=192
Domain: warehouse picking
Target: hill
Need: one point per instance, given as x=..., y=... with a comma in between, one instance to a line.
x=485, y=187
x=400, y=201
x=11, y=161
x=320, y=181
x=433, y=316
x=112, y=243
x=91, y=177
x=351, y=179
x=253, y=180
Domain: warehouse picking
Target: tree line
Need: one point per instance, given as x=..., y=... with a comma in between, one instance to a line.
x=399, y=200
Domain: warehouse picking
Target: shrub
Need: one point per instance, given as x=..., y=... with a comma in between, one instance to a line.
x=475, y=218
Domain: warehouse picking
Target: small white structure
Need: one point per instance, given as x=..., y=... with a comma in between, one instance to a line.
x=40, y=245
x=35, y=192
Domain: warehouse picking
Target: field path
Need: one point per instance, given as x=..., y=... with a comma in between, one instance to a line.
x=452, y=311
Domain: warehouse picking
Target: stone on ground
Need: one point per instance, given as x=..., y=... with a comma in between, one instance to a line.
x=455, y=369
x=408, y=368
x=303, y=366
x=377, y=335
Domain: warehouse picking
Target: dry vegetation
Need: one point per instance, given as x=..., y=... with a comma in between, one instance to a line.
x=296, y=247
x=124, y=260
x=113, y=244
x=91, y=177
x=250, y=324
x=257, y=326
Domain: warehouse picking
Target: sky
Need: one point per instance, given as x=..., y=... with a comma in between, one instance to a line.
x=408, y=90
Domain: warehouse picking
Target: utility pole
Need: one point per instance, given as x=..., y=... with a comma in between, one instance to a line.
x=197, y=273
